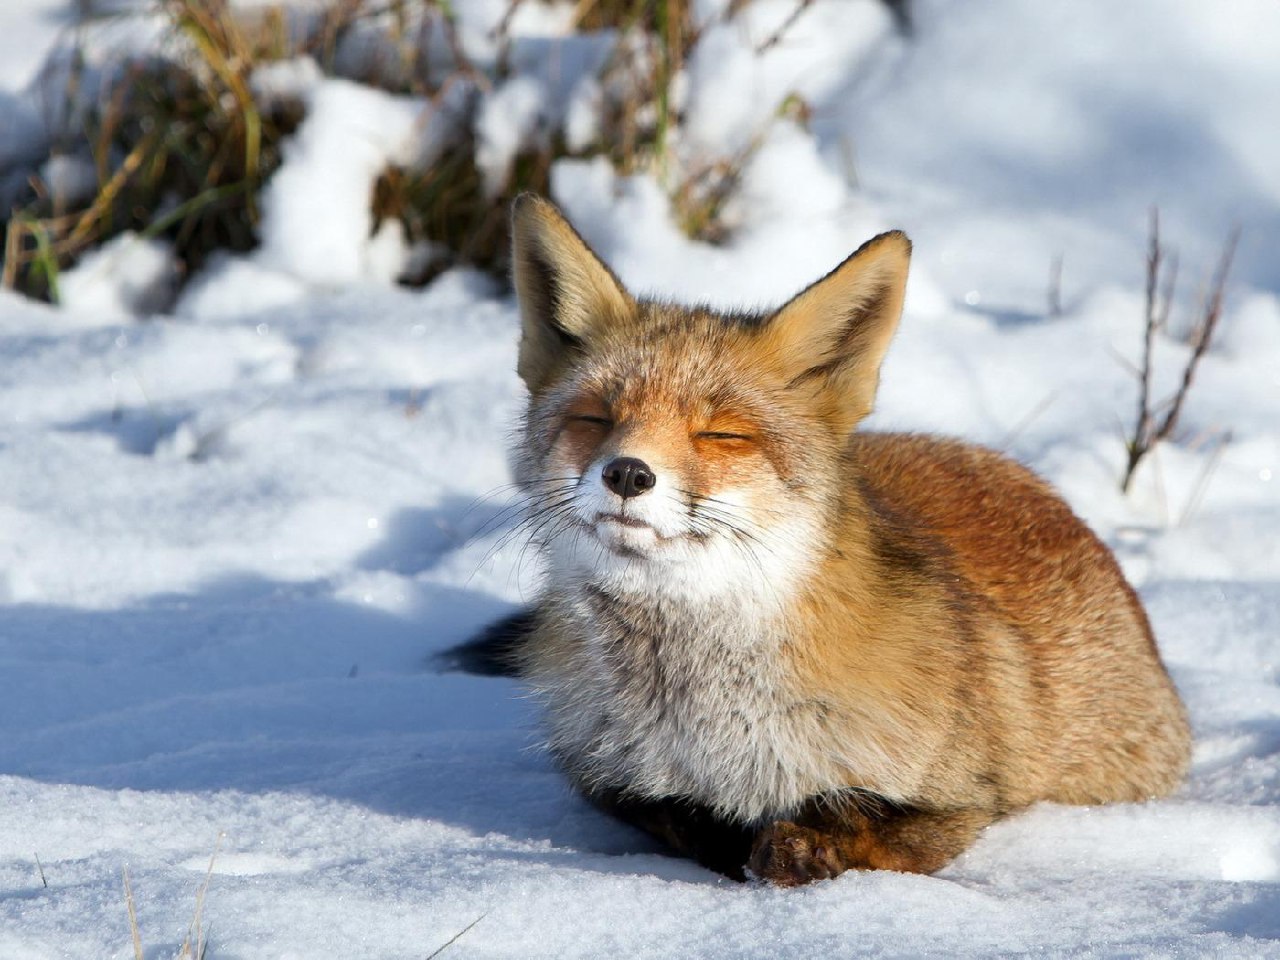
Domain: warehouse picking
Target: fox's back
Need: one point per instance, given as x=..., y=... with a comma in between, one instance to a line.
x=1107, y=705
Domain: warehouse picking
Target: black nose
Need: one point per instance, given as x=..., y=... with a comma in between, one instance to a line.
x=628, y=477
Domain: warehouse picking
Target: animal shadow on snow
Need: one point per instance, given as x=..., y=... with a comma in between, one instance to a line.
x=416, y=539
x=141, y=431
x=258, y=685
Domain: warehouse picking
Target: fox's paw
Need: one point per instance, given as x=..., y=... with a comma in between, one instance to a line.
x=789, y=855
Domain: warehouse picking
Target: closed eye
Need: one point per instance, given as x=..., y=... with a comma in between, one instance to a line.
x=718, y=435
x=598, y=421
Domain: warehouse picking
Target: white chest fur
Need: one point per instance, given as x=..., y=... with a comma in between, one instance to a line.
x=698, y=704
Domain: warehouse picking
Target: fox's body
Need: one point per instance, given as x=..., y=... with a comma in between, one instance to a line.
x=779, y=644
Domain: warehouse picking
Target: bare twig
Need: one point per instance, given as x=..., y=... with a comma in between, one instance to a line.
x=1202, y=333
x=1148, y=429
x=776, y=37
x=40, y=867
x=503, y=27
x=1140, y=441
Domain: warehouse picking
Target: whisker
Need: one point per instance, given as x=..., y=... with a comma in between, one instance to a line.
x=696, y=498
x=502, y=488
x=510, y=510
x=549, y=504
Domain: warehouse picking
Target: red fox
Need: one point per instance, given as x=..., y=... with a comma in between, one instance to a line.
x=786, y=648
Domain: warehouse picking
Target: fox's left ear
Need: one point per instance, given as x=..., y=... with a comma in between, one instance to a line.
x=831, y=338
x=566, y=294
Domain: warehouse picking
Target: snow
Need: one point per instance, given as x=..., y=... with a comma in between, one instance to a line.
x=508, y=121
x=350, y=135
x=29, y=28
x=1018, y=132
x=233, y=535
x=552, y=77
x=127, y=276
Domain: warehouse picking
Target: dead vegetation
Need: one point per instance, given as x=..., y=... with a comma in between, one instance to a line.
x=196, y=942
x=180, y=147
x=1156, y=422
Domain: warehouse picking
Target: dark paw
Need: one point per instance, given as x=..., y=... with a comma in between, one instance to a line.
x=789, y=855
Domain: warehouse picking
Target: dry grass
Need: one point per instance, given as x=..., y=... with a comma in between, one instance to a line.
x=195, y=944
x=182, y=148
x=186, y=128
x=133, y=914
x=448, y=204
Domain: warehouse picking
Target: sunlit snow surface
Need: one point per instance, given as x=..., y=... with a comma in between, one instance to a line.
x=232, y=538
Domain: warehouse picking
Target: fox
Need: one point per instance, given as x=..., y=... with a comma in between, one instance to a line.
x=783, y=646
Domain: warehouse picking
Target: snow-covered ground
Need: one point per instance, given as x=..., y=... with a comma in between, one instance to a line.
x=233, y=536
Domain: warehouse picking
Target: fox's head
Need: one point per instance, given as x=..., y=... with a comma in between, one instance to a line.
x=675, y=448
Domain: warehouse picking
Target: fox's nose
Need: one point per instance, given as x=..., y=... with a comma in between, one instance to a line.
x=628, y=477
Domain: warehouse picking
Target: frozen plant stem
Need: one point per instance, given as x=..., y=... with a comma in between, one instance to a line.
x=133, y=914
x=197, y=924
x=1149, y=428
x=455, y=938
x=776, y=37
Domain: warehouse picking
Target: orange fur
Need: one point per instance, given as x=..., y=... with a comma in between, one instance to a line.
x=792, y=649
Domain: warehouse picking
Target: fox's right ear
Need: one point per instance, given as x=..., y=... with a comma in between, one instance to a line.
x=566, y=294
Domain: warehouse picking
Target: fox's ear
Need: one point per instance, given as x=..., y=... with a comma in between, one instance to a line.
x=831, y=338
x=566, y=293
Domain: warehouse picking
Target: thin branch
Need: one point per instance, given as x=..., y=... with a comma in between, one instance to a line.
x=1202, y=335
x=1140, y=440
x=502, y=28
x=1147, y=432
x=777, y=35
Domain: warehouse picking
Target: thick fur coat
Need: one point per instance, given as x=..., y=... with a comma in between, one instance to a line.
x=786, y=647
